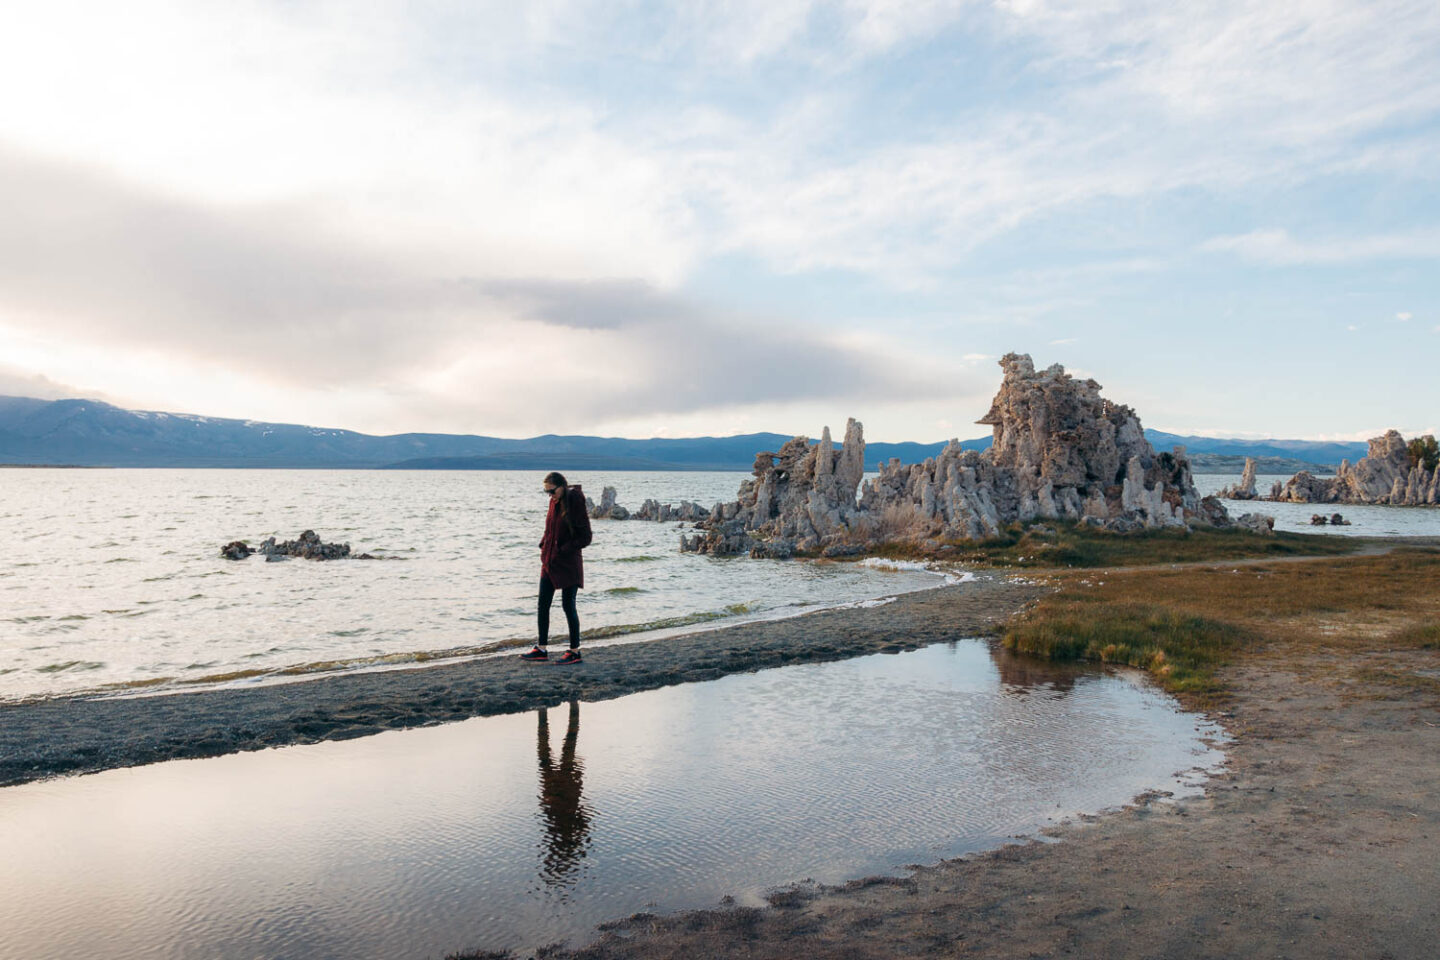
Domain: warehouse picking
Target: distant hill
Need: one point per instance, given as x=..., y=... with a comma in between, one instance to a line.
x=92, y=433
x=1224, y=463
x=1312, y=452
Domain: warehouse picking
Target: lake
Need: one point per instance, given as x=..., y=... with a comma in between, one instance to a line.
x=114, y=577
x=520, y=830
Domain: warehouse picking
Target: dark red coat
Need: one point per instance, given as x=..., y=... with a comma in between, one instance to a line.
x=560, y=547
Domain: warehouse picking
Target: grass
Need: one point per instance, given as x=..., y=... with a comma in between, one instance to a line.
x=1182, y=650
x=1183, y=625
x=1057, y=544
x=1423, y=635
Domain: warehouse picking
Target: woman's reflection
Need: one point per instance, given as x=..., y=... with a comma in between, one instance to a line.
x=567, y=819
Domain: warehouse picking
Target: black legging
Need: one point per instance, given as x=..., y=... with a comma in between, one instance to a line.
x=567, y=602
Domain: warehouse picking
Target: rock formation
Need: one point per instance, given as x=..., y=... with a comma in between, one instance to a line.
x=1245, y=489
x=1060, y=451
x=1392, y=472
x=655, y=510
x=309, y=546
x=1261, y=523
x=608, y=509
x=236, y=550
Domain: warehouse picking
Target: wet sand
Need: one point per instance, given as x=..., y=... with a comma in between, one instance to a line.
x=71, y=735
x=1321, y=839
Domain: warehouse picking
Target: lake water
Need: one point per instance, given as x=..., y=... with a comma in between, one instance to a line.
x=1365, y=521
x=115, y=577
x=516, y=831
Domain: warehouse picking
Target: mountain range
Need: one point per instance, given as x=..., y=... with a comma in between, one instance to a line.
x=93, y=433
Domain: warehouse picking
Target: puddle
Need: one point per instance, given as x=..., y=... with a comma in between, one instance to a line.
x=522, y=830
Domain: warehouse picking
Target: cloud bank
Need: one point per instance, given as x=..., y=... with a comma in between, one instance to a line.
x=458, y=210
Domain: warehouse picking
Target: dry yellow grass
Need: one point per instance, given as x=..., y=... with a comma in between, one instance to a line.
x=1183, y=624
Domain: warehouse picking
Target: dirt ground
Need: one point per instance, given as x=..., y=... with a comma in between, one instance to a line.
x=1322, y=839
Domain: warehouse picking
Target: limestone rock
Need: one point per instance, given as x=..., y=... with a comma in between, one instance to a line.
x=607, y=508
x=1060, y=451
x=1389, y=473
x=1245, y=489
x=1261, y=523
x=309, y=546
x=236, y=550
x=666, y=512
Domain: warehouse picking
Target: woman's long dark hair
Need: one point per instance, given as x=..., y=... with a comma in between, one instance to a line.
x=556, y=479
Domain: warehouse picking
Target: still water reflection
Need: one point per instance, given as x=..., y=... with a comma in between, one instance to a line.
x=562, y=805
x=504, y=832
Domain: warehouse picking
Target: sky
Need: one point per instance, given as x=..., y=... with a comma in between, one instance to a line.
x=638, y=219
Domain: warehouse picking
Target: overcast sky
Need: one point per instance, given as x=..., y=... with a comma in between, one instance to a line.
x=679, y=219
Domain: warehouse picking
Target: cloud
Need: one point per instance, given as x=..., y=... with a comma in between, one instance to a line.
x=1056, y=343
x=1404, y=317
x=515, y=134
x=15, y=382
x=1277, y=247
x=261, y=291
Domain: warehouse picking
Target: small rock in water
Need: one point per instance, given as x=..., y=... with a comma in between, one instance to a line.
x=309, y=546
x=235, y=550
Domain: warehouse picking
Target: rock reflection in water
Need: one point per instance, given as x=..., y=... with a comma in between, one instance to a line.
x=1025, y=674
x=563, y=810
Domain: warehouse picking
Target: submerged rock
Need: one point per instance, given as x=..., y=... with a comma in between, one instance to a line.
x=1391, y=472
x=309, y=546
x=665, y=512
x=236, y=550
x=1060, y=450
x=608, y=509
x=1245, y=489
x=1261, y=523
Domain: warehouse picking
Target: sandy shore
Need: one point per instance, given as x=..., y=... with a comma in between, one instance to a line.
x=1322, y=839
x=69, y=735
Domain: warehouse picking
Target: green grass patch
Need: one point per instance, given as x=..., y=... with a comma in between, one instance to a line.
x=1426, y=636
x=1181, y=650
x=1071, y=545
x=1051, y=544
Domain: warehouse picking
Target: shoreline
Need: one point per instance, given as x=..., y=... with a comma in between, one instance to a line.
x=599, y=637
x=71, y=735
x=1318, y=837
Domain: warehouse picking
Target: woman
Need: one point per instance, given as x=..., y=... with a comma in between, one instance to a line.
x=567, y=532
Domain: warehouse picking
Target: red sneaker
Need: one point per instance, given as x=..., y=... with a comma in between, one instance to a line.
x=537, y=654
x=569, y=656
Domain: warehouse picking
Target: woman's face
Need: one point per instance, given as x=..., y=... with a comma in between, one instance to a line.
x=552, y=490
